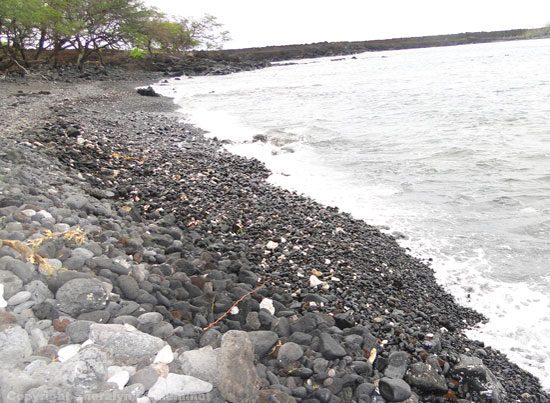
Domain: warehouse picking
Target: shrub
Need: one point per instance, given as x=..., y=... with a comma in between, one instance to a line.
x=136, y=54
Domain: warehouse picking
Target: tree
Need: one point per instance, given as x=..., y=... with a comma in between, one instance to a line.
x=92, y=25
x=207, y=31
x=18, y=22
x=178, y=35
x=103, y=24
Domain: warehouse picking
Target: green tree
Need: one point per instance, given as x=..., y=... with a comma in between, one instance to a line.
x=181, y=34
x=102, y=24
x=207, y=31
x=18, y=22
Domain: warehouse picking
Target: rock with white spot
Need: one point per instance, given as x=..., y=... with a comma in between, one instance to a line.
x=29, y=212
x=126, y=344
x=267, y=304
x=271, y=245
x=82, y=295
x=314, y=281
x=67, y=352
x=175, y=385
x=120, y=379
x=165, y=355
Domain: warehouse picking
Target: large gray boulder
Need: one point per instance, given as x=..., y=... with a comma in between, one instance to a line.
x=82, y=295
x=238, y=380
x=126, y=344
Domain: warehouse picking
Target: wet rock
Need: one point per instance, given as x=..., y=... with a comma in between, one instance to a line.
x=472, y=372
x=397, y=365
x=394, y=390
x=330, y=348
x=426, y=378
x=238, y=380
x=148, y=92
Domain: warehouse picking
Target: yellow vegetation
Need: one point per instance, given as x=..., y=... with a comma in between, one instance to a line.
x=77, y=235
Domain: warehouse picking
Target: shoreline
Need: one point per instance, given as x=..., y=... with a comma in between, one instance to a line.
x=134, y=148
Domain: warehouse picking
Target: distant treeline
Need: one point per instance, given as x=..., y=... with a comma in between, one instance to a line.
x=89, y=26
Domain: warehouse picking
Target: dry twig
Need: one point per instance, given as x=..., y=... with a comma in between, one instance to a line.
x=233, y=306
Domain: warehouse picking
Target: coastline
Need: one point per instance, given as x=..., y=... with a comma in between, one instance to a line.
x=134, y=148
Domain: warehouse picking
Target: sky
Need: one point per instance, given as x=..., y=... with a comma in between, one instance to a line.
x=254, y=23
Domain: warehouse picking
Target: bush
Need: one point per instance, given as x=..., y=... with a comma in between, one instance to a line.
x=136, y=54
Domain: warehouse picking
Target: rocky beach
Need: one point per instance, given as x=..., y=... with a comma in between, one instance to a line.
x=141, y=262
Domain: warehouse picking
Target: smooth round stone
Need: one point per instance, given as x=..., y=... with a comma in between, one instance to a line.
x=19, y=298
x=45, y=214
x=14, y=226
x=25, y=305
x=290, y=352
x=150, y=317
x=55, y=263
x=81, y=253
x=29, y=212
x=61, y=227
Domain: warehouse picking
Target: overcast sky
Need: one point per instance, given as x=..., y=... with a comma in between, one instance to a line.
x=278, y=22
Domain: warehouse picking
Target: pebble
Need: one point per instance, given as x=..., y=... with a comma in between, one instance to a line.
x=19, y=298
x=330, y=348
x=263, y=341
x=289, y=352
x=394, y=390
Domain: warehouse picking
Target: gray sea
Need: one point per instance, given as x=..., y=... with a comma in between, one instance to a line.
x=446, y=148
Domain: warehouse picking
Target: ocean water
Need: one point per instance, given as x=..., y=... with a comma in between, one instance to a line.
x=446, y=148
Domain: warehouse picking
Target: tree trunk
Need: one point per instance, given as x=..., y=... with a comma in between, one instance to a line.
x=80, y=61
x=40, y=46
x=56, y=50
